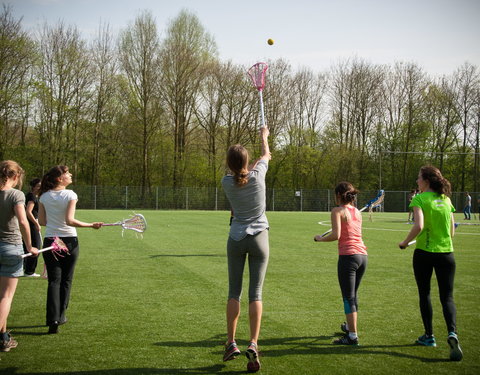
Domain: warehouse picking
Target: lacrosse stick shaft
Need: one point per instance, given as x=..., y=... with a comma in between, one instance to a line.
x=328, y=231
x=262, y=113
x=39, y=251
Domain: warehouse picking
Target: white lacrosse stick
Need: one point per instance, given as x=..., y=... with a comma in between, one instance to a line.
x=257, y=74
x=373, y=203
x=136, y=223
x=408, y=244
x=57, y=247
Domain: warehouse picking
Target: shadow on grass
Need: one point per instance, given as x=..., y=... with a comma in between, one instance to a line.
x=215, y=369
x=19, y=330
x=306, y=345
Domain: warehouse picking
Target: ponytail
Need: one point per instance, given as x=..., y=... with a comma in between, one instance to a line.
x=237, y=161
x=10, y=169
x=437, y=182
x=346, y=192
x=49, y=180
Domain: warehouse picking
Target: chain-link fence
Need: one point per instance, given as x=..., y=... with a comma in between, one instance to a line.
x=162, y=198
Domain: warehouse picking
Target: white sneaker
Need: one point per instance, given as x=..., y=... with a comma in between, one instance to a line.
x=32, y=275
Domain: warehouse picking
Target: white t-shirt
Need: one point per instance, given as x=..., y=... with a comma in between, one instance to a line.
x=55, y=203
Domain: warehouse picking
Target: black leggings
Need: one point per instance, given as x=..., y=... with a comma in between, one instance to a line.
x=60, y=270
x=424, y=263
x=350, y=272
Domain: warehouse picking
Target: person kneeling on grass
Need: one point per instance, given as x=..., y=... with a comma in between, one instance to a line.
x=435, y=227
x=352, y=260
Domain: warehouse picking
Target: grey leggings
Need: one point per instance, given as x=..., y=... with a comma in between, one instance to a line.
x=257, y=248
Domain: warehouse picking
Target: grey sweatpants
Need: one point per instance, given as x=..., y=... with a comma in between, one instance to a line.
x=257, y=248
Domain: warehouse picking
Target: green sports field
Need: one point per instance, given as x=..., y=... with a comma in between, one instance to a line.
x=156, y=305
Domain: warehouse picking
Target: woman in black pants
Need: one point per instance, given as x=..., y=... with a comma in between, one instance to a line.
x=31, y=199
x=57, y=213
x=434, y=225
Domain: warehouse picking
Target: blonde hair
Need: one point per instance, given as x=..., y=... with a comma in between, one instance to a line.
x=11, y=169
x=237, y=161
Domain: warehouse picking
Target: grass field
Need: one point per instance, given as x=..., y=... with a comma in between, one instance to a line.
x=156, y=306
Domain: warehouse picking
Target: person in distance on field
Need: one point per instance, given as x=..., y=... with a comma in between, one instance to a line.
x=13, y=227
x=30, y=263
x=246, y=192
x=467, y=211
x=57, y=213
x=352, y=260
x=434, y=228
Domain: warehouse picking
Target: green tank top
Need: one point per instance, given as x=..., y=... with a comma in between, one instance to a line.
x=435, y=236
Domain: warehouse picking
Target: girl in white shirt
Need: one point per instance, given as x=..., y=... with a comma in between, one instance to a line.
x=57, y=212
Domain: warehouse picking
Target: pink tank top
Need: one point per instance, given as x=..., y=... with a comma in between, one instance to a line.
x=350, y=241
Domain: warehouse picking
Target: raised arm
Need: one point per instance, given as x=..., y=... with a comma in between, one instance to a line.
x=265, y=149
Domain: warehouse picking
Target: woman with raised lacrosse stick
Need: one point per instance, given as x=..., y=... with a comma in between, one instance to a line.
x=352, y=255
x=57, y=213
x=434, y=228
x=13, y=227
x=245, y=190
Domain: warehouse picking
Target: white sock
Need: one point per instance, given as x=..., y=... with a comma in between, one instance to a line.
x=352, y=335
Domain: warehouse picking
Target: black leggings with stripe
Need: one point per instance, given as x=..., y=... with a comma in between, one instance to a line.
x=424, y=263
x=350, y=270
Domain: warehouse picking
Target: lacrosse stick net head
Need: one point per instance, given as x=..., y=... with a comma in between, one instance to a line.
x=136, y=223
x=257, y=74
x=59, y=248
x=377, y=201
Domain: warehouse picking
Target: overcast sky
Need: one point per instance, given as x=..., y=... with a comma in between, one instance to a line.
x=439, y=35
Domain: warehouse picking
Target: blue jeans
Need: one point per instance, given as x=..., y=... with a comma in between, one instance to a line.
x=467, y=211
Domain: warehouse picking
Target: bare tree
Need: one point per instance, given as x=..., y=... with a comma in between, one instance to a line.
x=63, y=73
x=139, y=60
x=187, y=53
x=16, y=59
x=105, y=67
x=466, y=81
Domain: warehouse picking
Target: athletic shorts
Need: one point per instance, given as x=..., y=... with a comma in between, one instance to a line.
x=11, y=264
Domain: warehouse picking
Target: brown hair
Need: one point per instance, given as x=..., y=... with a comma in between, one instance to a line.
x=437, y=182
x=49, y=180
x=346, y=192
x=237, y=161
x=10, y=169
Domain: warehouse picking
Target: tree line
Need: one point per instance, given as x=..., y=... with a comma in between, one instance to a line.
x=143, y=110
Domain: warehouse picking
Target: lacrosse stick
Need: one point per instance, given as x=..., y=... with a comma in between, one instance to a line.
x=257, y=74
x=408, y=244
x=374, y=202
x=136, y=223
x=58, y=247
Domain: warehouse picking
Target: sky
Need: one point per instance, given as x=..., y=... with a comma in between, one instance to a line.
x=438, y=35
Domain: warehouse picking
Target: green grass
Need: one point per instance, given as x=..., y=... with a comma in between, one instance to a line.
x=156, y=306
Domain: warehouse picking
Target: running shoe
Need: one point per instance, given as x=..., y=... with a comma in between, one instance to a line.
x=346, y=340
x=231, y=351
x=343, y=327
x=253, y=364
x=456, y=353
x=6, y=345
x=426, y=340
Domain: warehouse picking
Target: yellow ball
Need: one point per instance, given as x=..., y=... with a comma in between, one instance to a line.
x=270, y=41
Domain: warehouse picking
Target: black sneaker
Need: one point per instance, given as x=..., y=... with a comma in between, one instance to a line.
x=456, y=353
x=231, y=351
x=253, y=364
x=346, y=340
x=343, y=327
